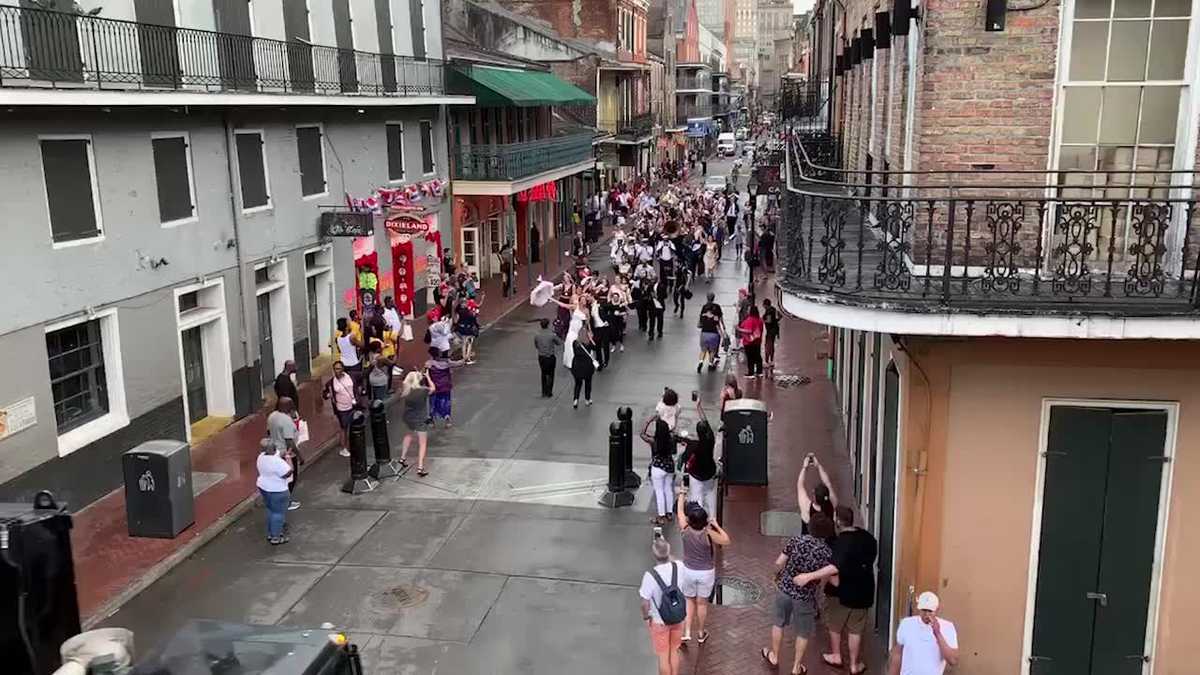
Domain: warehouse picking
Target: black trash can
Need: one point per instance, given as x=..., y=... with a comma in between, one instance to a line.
x=158, y=489
x=745, y=445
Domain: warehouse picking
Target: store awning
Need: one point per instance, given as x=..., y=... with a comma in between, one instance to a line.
x=522, y=88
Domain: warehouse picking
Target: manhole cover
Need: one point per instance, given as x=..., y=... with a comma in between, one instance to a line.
x=737, y=592
x=791, y=380
x=403, y=597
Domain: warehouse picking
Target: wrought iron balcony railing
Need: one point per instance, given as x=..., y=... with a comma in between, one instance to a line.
x=633, y=127
x=693, y=82
x=60, y=49
x=514, y=161
x=694, y=110
x=1078, y=242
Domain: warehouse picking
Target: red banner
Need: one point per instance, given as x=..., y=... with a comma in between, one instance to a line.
x=546, y=192
x=403, y=275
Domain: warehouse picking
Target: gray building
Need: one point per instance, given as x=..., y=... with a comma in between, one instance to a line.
x=165, y=169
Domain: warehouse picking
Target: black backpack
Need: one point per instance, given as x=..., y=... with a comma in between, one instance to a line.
x=672, y=609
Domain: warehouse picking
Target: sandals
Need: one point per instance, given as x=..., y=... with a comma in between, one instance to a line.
x=765, y=653
x=860, y=671
x=422, y=472
x=831, y=663
x=702, y=638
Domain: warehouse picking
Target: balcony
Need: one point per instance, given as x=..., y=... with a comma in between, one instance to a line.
x=517, y=161
x=694, y=109
x=1109, y=245
x=58, y=50
x=632, y=128
x=692, y=83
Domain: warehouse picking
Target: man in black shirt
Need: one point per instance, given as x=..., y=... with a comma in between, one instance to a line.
x=847, y=611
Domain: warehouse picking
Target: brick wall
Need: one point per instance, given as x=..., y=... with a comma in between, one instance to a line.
x=593, y=19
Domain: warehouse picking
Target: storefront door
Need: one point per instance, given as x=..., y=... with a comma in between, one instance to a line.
x=887, y=502
x=193, y=374
x=470, y=249
x=1097, y=546
x=266, y=348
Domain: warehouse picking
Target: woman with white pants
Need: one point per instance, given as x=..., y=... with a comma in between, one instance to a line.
x=662, y=466
x=701, y=468
x=701, y=535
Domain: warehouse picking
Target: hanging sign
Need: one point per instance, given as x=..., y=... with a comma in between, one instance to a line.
x=346, y=224
x=407, y=224
x=546, y=192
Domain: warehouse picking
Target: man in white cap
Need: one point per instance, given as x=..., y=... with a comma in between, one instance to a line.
x=925, y=643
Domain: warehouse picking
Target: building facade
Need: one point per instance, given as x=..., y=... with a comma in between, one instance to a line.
x=998, y=228
x=745, y=41
x=172, y=204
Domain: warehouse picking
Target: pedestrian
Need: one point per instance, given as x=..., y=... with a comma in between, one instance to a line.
x=583, y=366
x=711, y=322
x=662, y=466
x=546, y=342
x=704, y=165
x=805, y=560
x=508, y=264
x=447, y=263
x=285, y=383
x=439, y=332
x=348, y=344
x=849, y=605
x=667, y=408
x=925, y=643
x=392, y=317
x=657, y=309
x=730, y=392
x=712, y=253
x=700, y=534
x=415, y=391
x=641, y=301
x=340, y=392
x=378, y=376
x=281, y=431
x=618, y=298
x=823, y=500
x=600, y=332
x=699, y=464
x=438, y=368
x=663, y=607
x=750, y=330
x=770, y=318
x=680, y=293
x=273, y=474
x=467, y=328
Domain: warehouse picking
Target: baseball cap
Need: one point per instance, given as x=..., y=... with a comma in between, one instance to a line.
x=927, y=601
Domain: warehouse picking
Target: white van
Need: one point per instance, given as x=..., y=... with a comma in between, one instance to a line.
x=726, y=145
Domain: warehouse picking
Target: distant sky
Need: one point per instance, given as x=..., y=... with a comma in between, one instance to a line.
x=801, y=6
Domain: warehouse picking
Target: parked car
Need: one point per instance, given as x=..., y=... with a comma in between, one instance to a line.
x=726, y=145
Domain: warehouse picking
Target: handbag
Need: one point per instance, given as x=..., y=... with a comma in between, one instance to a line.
x=406, y=333
x=301, y=431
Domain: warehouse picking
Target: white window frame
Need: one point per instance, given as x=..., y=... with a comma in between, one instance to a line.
x=217, y=357
x=323, y=271
x=187, y=154
x=1160, y=537
x=403, y=160
x=262, y=134
x=432, y=151
x=91, y=156
x=117, y=416
x=320, y=127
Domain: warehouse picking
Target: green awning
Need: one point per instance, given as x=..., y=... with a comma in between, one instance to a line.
x=522, y=88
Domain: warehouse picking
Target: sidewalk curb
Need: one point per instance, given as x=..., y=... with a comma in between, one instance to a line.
x=162, y=567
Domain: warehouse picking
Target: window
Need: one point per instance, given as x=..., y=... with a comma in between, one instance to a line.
x=1120, y=102
x=395, y=151
x=189, y=301
x=312, y=160
x=69, y=169
x=77, y=379
x=427, y=165
x=173, y=177
x=252, y=170
x=417, y=22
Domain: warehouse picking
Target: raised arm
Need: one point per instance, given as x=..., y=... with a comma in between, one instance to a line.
x=717, y=534
x=833, y=497
x=802, y=498
x=680, y=518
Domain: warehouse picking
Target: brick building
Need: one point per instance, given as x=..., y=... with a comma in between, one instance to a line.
x=998, y=224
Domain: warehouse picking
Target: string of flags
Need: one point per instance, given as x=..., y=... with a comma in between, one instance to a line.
x=409, y=195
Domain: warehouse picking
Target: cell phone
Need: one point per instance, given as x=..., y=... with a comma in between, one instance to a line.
x=695, y=395
x=687, y=480
x=658, y=532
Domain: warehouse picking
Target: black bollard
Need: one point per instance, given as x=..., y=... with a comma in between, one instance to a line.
x=625, y=418
x=616, y=495
x=359, y=480
x=384, y=465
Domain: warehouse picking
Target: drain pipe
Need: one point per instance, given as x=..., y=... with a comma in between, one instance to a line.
x=237, y=249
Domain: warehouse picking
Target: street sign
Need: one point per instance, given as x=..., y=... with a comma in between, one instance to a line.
x=347, y=224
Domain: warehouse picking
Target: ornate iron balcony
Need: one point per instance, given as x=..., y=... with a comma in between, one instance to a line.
x=1079, y=242
x=514, y=161
x=694, y=110
x=64, y=50
x=633, y=128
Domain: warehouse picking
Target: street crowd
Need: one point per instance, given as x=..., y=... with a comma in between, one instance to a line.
x=668, y=238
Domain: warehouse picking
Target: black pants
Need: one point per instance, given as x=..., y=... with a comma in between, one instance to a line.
x=642, y=313
x=616, y=330
x=584, y=383
x=508, y=279
x=680, y=301
x=754, y=364
x=547, y=364
x=656, y=320
x=602, y=336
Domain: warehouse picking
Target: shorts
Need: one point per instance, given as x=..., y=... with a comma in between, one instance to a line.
x=439, y=405
x=697, y=583
x=843, y=619
x=665, y=639
x=710, y=342
x=800, y=614
x=344, y=417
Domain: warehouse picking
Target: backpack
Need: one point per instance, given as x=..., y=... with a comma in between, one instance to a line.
x=672, y=609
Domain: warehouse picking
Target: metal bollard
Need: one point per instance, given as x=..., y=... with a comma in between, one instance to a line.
x=384, y=465
x=625, y=417
x=359, y=480
x=616, y=495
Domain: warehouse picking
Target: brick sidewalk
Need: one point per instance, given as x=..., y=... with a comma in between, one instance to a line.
x=805, y=419
x=111, y=567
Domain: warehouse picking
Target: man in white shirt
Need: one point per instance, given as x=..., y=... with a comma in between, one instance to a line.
x=273, y=474
x=663, y=638
x=391, y=316
x=925, y=643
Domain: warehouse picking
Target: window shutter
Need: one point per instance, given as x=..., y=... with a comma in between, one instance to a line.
x=66, y=164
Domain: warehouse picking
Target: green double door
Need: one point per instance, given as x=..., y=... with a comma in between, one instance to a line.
x=1100, y=516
